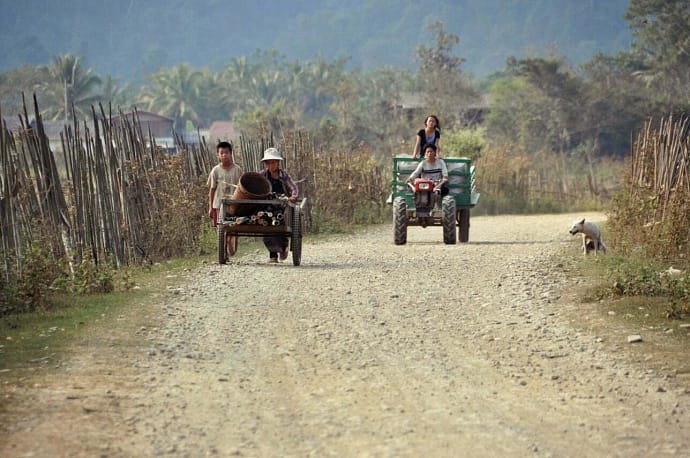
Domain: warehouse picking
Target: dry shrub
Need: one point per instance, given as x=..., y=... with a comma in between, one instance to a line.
x=635, y=229
x=648, y=222
x=177, y=206
x=351, y=189
x=650, y=216
x=514, y=181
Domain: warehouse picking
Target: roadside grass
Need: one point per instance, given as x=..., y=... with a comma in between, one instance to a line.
x=622, y=296
x=29, y=340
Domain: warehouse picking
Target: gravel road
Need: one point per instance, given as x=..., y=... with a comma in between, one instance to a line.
x=366, y=349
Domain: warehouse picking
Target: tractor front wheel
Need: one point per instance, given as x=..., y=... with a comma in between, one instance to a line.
x=448, y=220
x=399, y=221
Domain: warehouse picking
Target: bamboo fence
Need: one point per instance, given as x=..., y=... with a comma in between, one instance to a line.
x=113, y=196
x=659, y=164
x=97, y=204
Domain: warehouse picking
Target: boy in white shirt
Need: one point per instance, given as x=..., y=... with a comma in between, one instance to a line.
x=220, y=184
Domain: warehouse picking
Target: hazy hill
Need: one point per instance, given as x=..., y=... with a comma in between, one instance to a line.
x=129, y=38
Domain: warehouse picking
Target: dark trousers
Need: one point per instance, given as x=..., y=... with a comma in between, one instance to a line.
x=275, y=244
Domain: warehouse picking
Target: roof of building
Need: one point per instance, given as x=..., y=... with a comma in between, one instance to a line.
x=222, y=130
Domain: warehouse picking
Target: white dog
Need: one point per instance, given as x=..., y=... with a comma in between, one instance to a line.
x=591, y=236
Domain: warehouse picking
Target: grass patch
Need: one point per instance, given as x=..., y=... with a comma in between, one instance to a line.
x=621, y=296
x=35, y=337
x=40, y=338
x=647, y=312
x=637, y=284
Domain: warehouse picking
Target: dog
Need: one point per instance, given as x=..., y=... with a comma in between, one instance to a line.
x=591, y=236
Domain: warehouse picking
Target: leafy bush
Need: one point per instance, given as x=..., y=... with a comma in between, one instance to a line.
x=636, y=275
x=91, y=278
x=29, y=290
x=464, y=143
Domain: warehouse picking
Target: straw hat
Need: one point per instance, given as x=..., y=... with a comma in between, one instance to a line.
x=272, y=154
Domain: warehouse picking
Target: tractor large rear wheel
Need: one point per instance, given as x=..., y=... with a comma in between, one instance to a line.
x=448, y=220
x=399, y=221
x=464, y=225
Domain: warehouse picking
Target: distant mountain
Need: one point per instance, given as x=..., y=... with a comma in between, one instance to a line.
x=128, y=38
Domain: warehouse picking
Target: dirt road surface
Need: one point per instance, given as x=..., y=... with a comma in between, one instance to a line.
x=366, y=349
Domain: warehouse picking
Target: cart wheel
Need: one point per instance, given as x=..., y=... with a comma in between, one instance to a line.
x=222, y=254
x=296, y=241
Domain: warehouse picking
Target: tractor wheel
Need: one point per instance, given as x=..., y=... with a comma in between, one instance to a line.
x=222, y=253
x=296, y=241
x=448, y=219
x=399, y=221
x=464, y=225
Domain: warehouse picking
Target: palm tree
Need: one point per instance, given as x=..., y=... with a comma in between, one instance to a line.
x=232, y=85
x=175, y=92
x=70, y=87
x=114, y=94
x=315, y=84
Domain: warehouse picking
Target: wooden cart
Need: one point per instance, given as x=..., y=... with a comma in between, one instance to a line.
x=258, y=218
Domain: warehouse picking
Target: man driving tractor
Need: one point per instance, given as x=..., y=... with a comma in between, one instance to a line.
x=431, y=168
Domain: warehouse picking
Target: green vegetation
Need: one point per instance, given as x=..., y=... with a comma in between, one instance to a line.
x=30, y=340
x=648, y=224
x=70, y=88
x=632, y=292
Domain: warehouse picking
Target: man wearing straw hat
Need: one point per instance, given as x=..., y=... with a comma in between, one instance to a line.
x=281, y=184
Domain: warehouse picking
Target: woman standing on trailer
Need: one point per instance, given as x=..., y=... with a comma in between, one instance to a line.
x=431, y=134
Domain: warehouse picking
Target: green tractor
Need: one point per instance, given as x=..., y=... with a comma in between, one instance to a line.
x=421, y=203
